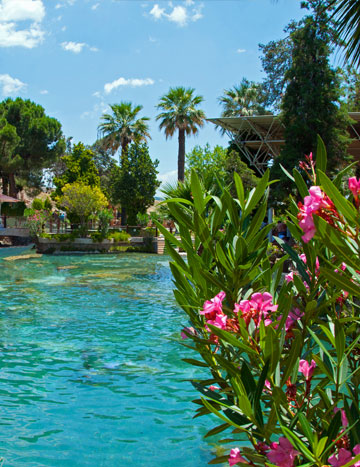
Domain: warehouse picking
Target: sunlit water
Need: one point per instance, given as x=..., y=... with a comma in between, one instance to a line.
x=90, y=369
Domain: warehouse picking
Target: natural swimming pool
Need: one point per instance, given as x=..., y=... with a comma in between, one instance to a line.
x=90, y=368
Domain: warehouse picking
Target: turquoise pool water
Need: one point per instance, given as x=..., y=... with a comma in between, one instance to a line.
x=90, y=368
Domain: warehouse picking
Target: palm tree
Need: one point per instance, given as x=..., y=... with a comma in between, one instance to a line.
x=179, y=112
x=347, y=15
x=242, y=100
x=122, y=127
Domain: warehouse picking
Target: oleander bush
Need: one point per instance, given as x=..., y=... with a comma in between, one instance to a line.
x=281, y=351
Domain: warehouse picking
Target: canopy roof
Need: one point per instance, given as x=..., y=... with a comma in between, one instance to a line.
x=261, y=137
x=8, y=199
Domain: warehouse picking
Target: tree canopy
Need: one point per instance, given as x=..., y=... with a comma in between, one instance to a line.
x=310, y=105
x=122, y=127
x=245, y=99
x=180, y=113
x=82, y=201
x=134, y=184
x=30, y=142
x=79, y=166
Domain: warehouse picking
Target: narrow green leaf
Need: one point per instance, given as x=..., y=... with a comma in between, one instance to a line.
x=342, y=204
x=218, y=429
x=339, y=340
x=321, y=156
x=300, y=183
x=239, y=189
x=342, y=281
x=232, y=340
x=306, y=427
x=257, y=193
x=191, y=361
x=197, y=192
x=287, y=173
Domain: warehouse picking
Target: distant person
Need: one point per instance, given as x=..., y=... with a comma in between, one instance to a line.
x=281, y=230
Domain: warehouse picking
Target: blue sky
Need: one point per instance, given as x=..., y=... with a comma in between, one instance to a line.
x=74, y=57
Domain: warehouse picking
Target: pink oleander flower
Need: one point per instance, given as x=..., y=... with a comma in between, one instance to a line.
x=292, y=318
x=257, y=308
x=213, y=388
x=268, y=384
x=235, y=457
x=219, y=321
x=313, y=204
x=307, y=369
x=289, y=277
x=354, y=187
x=344, y=420
x=189, y=330
x=344, y=456
x=282, y=453
x=213, y=306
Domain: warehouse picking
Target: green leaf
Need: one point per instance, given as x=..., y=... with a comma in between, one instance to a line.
x=320, y=446
x=197, y=192
x=191, y=361
x=239, y=189
x=306, y=427
x=217, y=429
x=287, y=173
x=232, y=340
x=339, y=340
x=321, y=156
x=303, y=189
x=342, y=281
x=257, y=193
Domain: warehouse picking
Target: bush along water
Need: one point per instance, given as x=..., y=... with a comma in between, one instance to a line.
x=280, y=352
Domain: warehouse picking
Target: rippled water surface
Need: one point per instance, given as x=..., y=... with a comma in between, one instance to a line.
x=91, y=371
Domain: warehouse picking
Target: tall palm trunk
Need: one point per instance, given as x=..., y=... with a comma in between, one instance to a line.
x=181, y=155
x=123, y=162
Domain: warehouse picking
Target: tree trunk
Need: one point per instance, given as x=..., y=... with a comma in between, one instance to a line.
x=123, y=162
x=123, y=216
x=12, y=186
x=181, y=155
x=5, y=185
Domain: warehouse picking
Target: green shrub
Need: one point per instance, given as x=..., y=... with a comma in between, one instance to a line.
x=120, y=236
x=282, y=356
x=47, y=204
x=37, y=204
x=97, y=237
x=105, y=216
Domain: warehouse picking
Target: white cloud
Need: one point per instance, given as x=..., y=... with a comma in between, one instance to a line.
x=44, y=91
x=22, y=10
x=179, y=14
x=94, y=7
x=29, y=38
x=241, y=51
x=152, y=39
x=27, y=35
x=11, y=85
x=133, y=82
x=77, y=47
x=157, y=12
